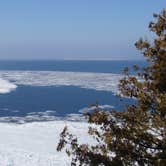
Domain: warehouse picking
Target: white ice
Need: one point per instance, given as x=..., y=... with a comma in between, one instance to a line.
x=6, y=86
x=96, y=81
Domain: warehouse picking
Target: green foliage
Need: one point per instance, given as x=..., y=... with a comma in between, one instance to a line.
x=136, y=136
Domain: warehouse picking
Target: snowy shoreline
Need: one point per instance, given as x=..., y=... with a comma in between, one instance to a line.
x=34, y=144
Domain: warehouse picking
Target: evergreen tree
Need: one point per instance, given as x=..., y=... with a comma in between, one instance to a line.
x=136, y=136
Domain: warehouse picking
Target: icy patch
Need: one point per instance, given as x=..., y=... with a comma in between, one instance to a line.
x=96, y=81
x=6, y=86
x=75, y=117
x=41, y=117
x=92, y=108
x=48, y=115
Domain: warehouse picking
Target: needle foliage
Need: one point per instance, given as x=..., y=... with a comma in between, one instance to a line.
x=137, y=135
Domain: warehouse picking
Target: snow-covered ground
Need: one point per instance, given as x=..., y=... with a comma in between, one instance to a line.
x=34, y=144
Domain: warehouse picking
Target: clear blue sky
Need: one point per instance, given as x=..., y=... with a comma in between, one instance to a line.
x=74, y=29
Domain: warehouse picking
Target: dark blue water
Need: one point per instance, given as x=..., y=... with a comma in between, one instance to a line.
x=75, y=66
x=61, y=100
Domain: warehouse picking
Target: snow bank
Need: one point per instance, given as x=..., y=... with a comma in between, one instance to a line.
x=34, y=144
x=96, y=81
x=6, y=86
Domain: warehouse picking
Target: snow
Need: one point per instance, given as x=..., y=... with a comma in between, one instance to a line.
x=34, y=144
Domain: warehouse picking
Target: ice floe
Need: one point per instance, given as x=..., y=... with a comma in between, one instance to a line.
x=49, y=115
x=6, y=86
x=96, y=81
x=91, y=108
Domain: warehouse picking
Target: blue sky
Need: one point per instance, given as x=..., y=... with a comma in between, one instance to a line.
x=74, y=29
